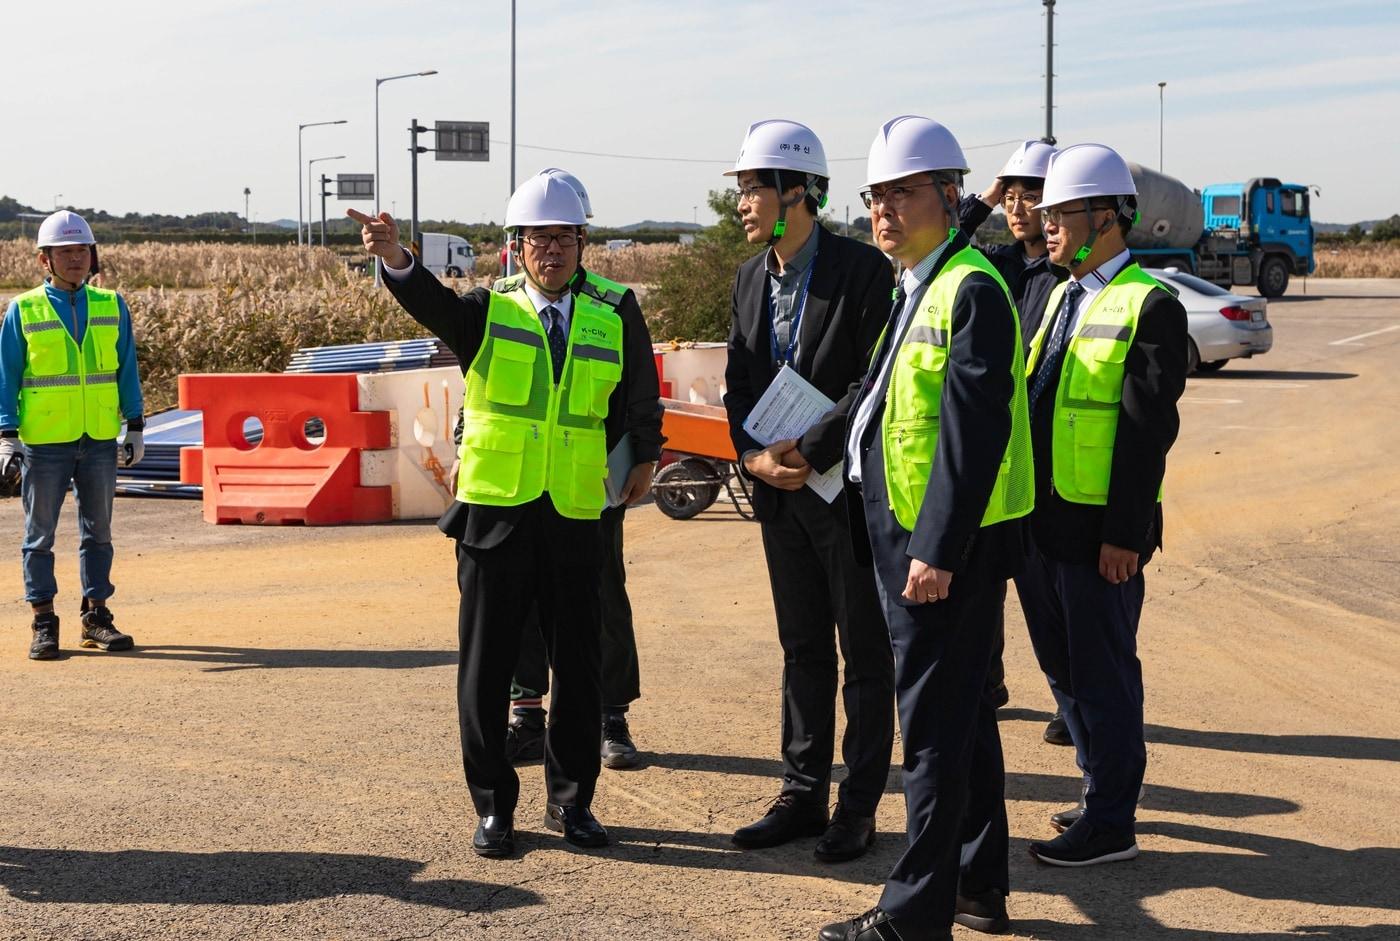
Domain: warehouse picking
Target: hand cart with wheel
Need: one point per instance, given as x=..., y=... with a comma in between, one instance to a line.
x=704, y=461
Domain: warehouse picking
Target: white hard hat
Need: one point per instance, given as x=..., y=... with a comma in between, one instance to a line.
x=576, y=183
x=1085, y=171
x=544, y=200
x=1031, y=160
x=65, y=228
x=911, y=144
x=777, y=144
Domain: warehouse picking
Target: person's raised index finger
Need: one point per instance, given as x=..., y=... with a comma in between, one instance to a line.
x=359, y=217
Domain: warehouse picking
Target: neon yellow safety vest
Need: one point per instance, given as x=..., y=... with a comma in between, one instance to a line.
x=67, y=392
x=1085, y=421
x=910, y=425
x=522, y=435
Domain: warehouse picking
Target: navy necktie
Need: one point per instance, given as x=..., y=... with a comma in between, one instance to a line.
x=558, y=342
x=1049, y=366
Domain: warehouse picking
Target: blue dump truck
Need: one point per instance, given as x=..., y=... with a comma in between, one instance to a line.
x=1259, y=232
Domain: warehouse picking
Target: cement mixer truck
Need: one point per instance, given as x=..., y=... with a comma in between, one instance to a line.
x=1259, y=232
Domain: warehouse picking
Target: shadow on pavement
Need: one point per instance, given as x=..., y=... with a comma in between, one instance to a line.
x=1300, y=746
x=273, y=658
x=249, y=878
x=692, y=850
x=1244, y=375
x=1253, y=866
x=1020, y=786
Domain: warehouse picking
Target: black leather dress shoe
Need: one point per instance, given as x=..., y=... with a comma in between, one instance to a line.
x=1057, y=732
x=847, y=837
x=788, y=819
x=983, y=911
x=495, y=836
x=876, y=925
x=578, y=825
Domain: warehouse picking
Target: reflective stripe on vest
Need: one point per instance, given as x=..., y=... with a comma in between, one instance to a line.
x=523, y=436
x=1085, y=422
x=910, y=426
x=67, y=391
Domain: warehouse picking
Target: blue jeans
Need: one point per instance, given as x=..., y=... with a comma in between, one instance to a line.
x=91, y=468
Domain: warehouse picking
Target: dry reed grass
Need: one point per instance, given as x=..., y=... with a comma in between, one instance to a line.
x=1359, y=261
x=201, y=307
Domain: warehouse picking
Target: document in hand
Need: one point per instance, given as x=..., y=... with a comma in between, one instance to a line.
x=619, y=468
x=788, y=407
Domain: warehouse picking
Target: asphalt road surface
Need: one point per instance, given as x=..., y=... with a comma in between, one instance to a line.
x=279, y=757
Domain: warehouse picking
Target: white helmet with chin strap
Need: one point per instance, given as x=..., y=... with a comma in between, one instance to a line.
x=1031, y=160
x=778, y=144
x=1090, y=171
x=65, y=227
x=544, y=200
x=576, y=183
x=913, y=144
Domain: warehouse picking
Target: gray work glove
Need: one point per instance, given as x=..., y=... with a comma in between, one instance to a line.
x=132, y=449
x=11, y=466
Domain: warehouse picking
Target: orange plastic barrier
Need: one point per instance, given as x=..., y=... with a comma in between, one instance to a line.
x=697, y=429
x=286, y=477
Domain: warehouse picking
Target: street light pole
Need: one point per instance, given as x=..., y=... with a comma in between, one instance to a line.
x=1049, y=71
x=300, y=128
x=377, y=187
x=247, y=192
x=1161, y=121
x=309, y=213
x=56, y=198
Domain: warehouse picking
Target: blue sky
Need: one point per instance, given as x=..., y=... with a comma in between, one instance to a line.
x=177, y=106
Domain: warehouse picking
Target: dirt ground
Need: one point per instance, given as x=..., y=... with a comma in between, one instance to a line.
x=279, y=757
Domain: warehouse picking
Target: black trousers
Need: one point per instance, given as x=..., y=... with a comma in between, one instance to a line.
x=622, y=682
x=1084, y=631
x=551, y=563
x=954, y=787
x=817, y=585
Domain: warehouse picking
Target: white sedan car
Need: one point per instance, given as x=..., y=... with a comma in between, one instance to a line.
x=1222, y=326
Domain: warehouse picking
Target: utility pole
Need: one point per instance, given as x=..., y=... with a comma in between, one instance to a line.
x=324, y=180
x=510, y=258
x=1161, y=121
x=1049, y=137
x=247, y=193
x=414, y=236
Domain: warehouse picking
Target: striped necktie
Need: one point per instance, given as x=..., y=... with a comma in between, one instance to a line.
x=1049, y=366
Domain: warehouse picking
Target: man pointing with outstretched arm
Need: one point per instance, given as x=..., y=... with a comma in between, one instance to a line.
x=555, y=376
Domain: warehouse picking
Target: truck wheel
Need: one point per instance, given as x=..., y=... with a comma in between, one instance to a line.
x=1214, y=365
x=453, y=271
x=1193, y=356
x=1273, y=276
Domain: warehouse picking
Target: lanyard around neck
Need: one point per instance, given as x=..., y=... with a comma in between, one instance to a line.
x=788, y=357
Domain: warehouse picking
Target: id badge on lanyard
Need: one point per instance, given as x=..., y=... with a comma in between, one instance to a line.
x=788, y=357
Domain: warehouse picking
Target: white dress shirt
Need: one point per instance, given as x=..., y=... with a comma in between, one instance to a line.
x=565, y=304
x=915, y=282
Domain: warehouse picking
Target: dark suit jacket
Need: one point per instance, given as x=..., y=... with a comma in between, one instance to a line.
x=1030, y=284
x=848, y=300
x=460, y=322
x=974, y=428
x=1154, y=376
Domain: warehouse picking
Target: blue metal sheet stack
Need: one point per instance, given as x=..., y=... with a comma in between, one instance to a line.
x=386, y=356
x=158, y=471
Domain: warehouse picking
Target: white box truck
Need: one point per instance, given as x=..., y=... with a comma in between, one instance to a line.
x=447, y=256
